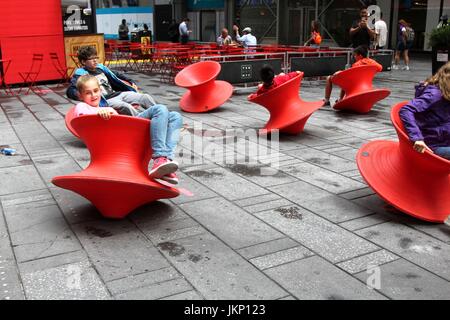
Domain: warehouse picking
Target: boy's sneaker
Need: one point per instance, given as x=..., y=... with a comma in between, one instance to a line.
x=161, y=167
x=405, y=68
x=395, y=67
x=171, y=178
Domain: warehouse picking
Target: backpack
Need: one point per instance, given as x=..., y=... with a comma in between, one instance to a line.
x=317, y=38
x=410, y=35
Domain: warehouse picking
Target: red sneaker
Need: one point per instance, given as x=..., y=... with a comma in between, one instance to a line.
x=161, y=167
x=171, y=178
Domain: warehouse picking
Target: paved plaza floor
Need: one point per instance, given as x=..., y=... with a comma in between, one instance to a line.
x=310, y=230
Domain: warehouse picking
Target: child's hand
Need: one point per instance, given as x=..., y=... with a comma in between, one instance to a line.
x=298, y=72
x=104, y=114
x=421, y=147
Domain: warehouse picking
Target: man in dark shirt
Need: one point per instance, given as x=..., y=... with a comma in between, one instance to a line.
x=360, y=33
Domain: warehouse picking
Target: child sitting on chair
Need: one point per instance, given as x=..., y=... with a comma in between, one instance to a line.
x=270, y=81
x=360, y=54
x=164, y=129
x=427, y=117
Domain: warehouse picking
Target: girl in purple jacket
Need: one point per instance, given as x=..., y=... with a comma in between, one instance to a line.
x=427, y=116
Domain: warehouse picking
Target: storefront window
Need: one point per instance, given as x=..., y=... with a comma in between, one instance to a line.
x=116, y=3
x=260, y=15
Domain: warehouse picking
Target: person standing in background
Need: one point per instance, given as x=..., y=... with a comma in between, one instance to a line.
x=123, y=30
x=173, y=32
x=381, y=33
x=224, y=39
x=184, y=31
x=360, y=33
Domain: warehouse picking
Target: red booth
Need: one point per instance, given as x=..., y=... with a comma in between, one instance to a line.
x=27, y=28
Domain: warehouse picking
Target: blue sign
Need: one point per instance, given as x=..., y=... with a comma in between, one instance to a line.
x=205, y=4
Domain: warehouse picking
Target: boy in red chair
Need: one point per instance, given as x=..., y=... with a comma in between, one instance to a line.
x=270, y=81
x=164, y=130
x=360, y=54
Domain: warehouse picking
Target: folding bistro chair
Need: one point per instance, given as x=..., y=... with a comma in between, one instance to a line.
x=4, y=66
x=30, y=77
x=64, y=72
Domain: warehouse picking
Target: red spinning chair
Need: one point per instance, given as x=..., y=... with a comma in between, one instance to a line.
x=68, y=118
x=414, y=183
x=288, y=112
x=116, y=181
x=360, y=96
x=205, y=93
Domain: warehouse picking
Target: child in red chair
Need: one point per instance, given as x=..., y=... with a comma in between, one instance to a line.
x=361, y=57
x=270, y=81
x=427, y=117
x=164, y=129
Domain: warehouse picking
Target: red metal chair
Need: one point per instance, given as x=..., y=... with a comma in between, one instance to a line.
x=68, y=118
x=4, y=66
x=63, y=71
x=205, y=92
x=414, y=183
x=360, y=96
x=116, y=181
x=288, y=112
x=30, y=77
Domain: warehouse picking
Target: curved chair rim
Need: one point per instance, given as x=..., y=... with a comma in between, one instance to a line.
x=70, y=115
x=180, y=77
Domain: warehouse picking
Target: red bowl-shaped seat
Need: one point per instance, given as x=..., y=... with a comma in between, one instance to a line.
x=414, y=183
x=360, y=96
x=68, y=118
x=205, y=93
x=116, y=180
x=288, y=112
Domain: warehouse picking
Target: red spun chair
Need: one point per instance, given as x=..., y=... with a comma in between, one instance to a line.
x=116, y=181
x=70, y=115
x=288, y=112
x=360, y=96
x=414, y=183
x=205, y=92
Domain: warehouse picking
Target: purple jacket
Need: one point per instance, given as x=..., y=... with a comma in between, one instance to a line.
x=427, y=117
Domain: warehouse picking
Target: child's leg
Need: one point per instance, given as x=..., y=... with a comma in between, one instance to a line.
x=173, y=132
x=342, y=94
x=328, y=89
x=142, y=99
x=159, y=115
x=443, y=152
x=122, y=107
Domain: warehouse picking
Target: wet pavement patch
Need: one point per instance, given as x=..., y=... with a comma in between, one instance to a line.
x=405, y=243
x=319, y=161
x=44, y=161
x=173, y=248
x=252, y=171
x=204, y=174
x=195, y=257
x=290, y=213
x=98, y=232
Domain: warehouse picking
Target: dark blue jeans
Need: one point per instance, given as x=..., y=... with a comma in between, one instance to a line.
x=443, y=152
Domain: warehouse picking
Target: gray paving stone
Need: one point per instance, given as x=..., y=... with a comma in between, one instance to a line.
x=318, y=235
x=363, y=263
x=357, y=194
x=412, y=245
x=19, y=159
x=364, y=222
x=316, y=279
x=281, y=257
x=188, y=295
x=323, y=178
x=117, y=249
x=217, y=272
x=403, y=280
x=138, y=281
x=257, y=200
x=157, y=290
x=50, y=167
x=51, y=262
x=321, y=202
x=267, y=248
x=44, y=112
x=267, y=205
x=27, y=200
x=230, y=223
x=77, y=281
x=8, y=135
x=20, y=179
x=198, y=190
x=40, y=232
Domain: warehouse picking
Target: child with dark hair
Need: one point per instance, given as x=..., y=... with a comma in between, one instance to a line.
x=427, y=117
x=270, y=81
x=360, y=54
x=315, y=38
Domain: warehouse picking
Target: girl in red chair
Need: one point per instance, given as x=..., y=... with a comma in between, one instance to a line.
x=164, y=129
x=270, y=81
x=427, y=117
